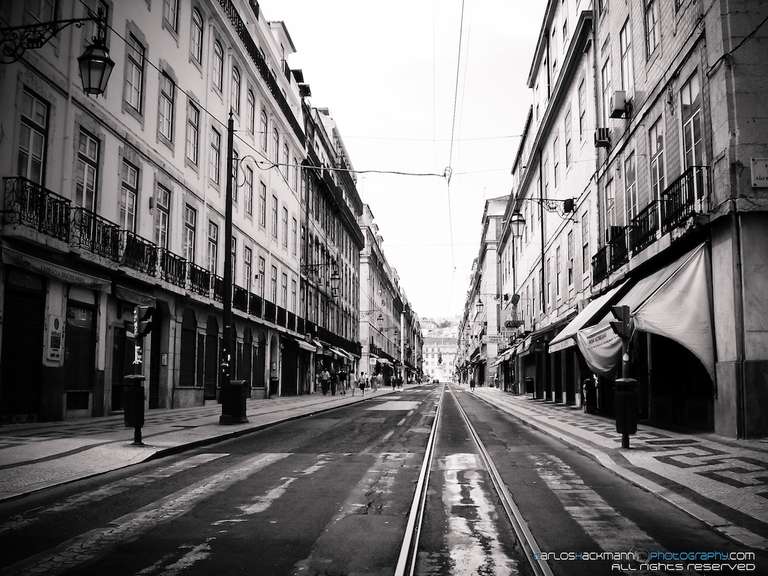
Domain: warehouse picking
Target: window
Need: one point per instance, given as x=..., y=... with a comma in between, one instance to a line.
x=567, y=130
x=651, y=26
x=33, y=138
x=610, y=204
x=565, y=33
x=171, y=14
x=549, y=294
x=162, y=216
x=134, y=73
x=263, y=130
x=274, y=216
x=193, y=133
x=293, y=296
x=558, y=269
x=553, y=53
x=251, y=103
x=569, y=259
x=690, y=100
x=605, y=77
x=190, y=225
x=582, y=108
x=273, y=285
x=214, y=157
x=294, y=236
x=247, y=264
x=261, y=279
x=87, y=171
x=166, y=108
x=218, y=66
x=585, y=258
x=284, y=169
x=235, y=90
x=285, y=227
x=625, y=45
x=129, y=192
x=262, y=204
x=656, y=147
x=284, y=290
x=630, y=189
x=196, y=36
x=555, y=162
x=249, y=191
x=213, y=242
x=276, y=145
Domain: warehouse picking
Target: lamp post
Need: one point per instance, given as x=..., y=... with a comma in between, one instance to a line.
x=94, y=63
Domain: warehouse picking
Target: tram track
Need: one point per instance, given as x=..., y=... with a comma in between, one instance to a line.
x=406, y=565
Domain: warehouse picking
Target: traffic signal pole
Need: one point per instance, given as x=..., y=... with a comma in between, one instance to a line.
x=625, y=397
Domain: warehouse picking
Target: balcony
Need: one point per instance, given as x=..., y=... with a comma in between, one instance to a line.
x=173, y=268
x=291, y=325
x=98, y=235
x=269, y=311
x=679, y=199
x=240, y=298
x=280, y=316
x=199, y=279
x=138, y=253
x=29, y=204
x=254, y=305
x=617, y=244
x=643, y=228
x=217, y=286
x=600, y=264
x=300, y=325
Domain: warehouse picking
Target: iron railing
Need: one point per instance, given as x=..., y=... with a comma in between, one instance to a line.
x=600, y=264
x=95, y=234
x=173, y=268
x=281, y=316
x=291, y=325
x=643, y=228
x=199, y=279
x=269, y=311
x=239, y=298
x=678, y=201
x=618, y=247
x=29, y=204
x=217, y=287
x=254, y=305
x=138, y=253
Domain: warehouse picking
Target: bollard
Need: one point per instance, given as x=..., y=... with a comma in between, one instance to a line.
x=625, y=404
x=133, y=403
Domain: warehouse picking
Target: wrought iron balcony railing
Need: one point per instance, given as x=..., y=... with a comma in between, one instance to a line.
x=239, y=298
x=173, y=268
x=600, y=264
x=139, y=253
x=678, y=201
x=217, y=287
x=269, y=311
x=199, y=279
x=291, y=324
x=95, y=234
x=254, y=305
x=28, y=204
x=643, y=228
x=617, y=244
x=280, y=316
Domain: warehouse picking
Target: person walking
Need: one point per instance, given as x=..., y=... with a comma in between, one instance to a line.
x=361, y=383
x=472, y=385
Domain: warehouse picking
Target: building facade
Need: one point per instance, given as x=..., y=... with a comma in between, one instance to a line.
x=115, y=201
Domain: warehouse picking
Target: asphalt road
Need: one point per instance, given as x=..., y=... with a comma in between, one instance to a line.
x=328, y=494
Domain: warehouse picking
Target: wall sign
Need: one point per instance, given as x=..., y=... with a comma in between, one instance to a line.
x=54, y=343
x=759, y=172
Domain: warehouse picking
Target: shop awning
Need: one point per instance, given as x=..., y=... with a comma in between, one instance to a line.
x=304, y=345
x=674, y=302
x=503, y=356
x=340, y=353
x=567, y=336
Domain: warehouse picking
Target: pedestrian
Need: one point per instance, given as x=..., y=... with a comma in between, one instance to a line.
x=472, y=385
x=332, y=378
x=325, y=379
x=343, y=380
x=361, y=383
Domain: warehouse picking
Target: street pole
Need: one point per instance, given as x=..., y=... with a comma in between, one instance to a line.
x=232, y=395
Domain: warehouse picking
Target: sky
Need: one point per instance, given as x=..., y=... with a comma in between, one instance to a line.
x=387, y=73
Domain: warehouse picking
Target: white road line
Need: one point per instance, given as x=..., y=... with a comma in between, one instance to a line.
x=472, y=535
x=108, y=490
x=101, y=541
x=607, y=527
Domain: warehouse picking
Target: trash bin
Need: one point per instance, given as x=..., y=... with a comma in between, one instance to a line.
x=529, y=387
x=233, y=402
x=625, y=404
x=133, y=401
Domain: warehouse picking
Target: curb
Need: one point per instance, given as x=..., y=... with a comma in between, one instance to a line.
x=725, y=527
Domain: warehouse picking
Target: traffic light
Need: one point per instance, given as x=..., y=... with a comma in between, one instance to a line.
x=142, y=320
x=623, y=325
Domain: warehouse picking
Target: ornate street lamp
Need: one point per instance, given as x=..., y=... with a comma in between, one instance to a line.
x=479, y=306
x=95, y=64
x=516, y=224
x=335, y=280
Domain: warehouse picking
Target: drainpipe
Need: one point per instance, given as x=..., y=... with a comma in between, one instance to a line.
x=738, y=301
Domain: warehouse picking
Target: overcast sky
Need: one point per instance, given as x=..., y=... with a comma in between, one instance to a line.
x=387, y=71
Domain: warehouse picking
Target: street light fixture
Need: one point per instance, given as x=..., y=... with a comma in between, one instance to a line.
x=516, y=224
x=95, y=67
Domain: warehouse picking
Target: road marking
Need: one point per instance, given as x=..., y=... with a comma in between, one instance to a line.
x=100, y=541
x=472, y=537
x=108, y=490
x=396, y=405
x=609, y=529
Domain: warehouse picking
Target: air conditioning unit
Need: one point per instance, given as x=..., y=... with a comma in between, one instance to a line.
x=619, y=104
x=602, y=138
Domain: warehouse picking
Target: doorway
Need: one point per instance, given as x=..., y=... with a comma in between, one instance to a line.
x=211, y=357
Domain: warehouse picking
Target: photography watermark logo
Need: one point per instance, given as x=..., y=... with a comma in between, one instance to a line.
x=662, y=561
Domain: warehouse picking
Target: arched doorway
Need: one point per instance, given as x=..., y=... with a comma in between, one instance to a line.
x=188, y=348
x=274, y=366
x=211, y=357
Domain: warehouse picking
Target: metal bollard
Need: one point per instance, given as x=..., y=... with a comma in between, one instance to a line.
x=625, y=404
x=133, y=403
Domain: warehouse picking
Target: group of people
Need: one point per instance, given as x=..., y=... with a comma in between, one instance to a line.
x=333, y=380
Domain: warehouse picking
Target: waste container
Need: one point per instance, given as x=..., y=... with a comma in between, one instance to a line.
x=625, y=404
x=233, y=402
x=529, y=388
x=133, y=401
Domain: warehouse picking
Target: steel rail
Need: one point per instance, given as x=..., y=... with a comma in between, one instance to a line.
x=519, y=525
x=406, y=562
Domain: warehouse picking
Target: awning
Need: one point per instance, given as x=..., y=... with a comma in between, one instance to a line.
x=674, y=302
x=567, y=336
x=304, y=345
x=340, y=353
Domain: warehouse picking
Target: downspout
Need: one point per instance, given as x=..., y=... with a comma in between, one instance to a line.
x=541, y=227
x=738, y=286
